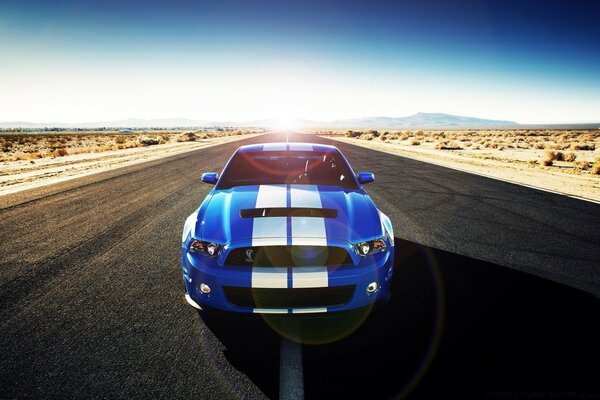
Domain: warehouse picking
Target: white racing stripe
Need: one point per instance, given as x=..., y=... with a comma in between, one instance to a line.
x=309, y=310
x=307, y=230
x=275, y=147
x=301, y=147
x=310, y=277
x=270, y=311
x=271, y=196
x=270, y=230
x=269, y=277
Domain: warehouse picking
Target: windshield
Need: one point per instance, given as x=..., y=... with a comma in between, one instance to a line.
x=287, y=167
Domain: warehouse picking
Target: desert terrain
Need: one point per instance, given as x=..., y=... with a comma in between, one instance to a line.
x=562, y=161
x=35, y=159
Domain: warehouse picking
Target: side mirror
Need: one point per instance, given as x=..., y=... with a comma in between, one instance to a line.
x=365, y=177
x=210, y=177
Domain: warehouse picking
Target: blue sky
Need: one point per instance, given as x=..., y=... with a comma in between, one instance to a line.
x=82, y=61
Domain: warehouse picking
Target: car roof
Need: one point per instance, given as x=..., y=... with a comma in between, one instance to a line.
x=282, y=146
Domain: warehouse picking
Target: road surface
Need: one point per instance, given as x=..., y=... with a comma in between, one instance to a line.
x=495, y=294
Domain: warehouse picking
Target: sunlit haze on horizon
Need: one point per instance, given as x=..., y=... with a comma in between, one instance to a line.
x=84, y=61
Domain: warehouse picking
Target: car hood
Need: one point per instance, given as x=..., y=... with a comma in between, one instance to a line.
x=288, y=214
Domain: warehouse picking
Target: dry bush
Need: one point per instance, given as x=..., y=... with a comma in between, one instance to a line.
x=148, y=141
x=582, y=165
x=554, y=156
x=547, y=162
x=60, y=152
x=583, y=146
x=570, y=157
x=447, y=145
x=414, y=142
x=353, y=134
x=596, y=167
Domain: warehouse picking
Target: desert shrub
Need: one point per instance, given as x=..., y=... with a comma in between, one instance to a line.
x=414, y=142
x=374, y=133
x=596, y=167
x=60, y=152
x=448, y=145
x=582, y=165
x=120, y=139
x=353, y=134
x=570, y=157
x=547, y=162
x=555, y=156
x=383, y=138
x=148, y=141
x=583, y=146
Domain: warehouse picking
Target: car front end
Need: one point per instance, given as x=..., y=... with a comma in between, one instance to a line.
x=288, y=247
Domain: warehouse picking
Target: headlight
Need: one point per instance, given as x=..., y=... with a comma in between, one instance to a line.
x=207, y=248
x=370, y=247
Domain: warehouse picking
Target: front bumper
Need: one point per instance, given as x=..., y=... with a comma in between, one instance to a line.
x=340, y=288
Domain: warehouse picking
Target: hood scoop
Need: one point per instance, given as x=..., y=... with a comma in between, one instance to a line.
x=289, y=212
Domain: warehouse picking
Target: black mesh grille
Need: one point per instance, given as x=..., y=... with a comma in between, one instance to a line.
x=289, y=298
x=289, y=256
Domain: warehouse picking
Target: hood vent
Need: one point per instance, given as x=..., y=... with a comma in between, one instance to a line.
x=289, y=212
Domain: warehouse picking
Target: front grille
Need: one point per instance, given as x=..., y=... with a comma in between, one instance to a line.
x=289, y=256
x=289, y=298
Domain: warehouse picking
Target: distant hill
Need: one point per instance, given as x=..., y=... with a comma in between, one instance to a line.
x=425, y=121
x=125, y=123
x=416, y=121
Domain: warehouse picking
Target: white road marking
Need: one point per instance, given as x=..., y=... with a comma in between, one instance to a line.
x=291, y=376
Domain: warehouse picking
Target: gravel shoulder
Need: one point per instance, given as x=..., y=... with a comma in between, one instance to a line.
x=16, y=176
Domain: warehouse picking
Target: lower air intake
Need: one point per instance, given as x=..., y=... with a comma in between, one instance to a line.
x=289, y=298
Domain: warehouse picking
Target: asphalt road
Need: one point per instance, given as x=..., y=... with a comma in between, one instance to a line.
x=495, y=294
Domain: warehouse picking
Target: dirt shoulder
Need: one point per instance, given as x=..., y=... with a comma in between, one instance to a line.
x=504, y=166
x=16, y=176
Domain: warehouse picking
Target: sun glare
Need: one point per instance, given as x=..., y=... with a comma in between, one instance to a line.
x=285, y=123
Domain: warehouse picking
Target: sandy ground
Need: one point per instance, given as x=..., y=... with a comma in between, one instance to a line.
x=500, y=166
x=21, y=175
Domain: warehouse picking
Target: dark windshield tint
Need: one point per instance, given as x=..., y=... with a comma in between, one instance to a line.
x=287, y=167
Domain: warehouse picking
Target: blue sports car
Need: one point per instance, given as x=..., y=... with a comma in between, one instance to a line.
x=287, y=229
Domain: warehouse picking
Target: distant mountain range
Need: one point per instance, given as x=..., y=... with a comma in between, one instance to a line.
x=416, y=121
x=425, y=121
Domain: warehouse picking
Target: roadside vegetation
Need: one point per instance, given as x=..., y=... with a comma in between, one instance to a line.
x=571, y=151
x=15, y=146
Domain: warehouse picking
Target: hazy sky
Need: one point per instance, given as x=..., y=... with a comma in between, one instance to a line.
x=83, y=61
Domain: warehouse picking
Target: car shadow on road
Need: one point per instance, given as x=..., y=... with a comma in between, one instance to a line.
x=455, y=326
